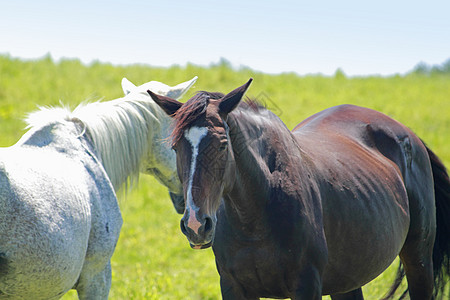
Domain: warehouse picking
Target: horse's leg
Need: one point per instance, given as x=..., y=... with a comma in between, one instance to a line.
x=231, y=290
x=416, y=254
x=94, y=286
x=353, y=295
x=309, y=285
x=419, y=271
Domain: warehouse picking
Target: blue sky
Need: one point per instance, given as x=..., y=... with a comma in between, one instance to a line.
x=361, y=37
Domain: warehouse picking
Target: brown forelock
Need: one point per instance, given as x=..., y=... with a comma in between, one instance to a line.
x=190, y=112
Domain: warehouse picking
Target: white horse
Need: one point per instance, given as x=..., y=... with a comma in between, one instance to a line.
x=59, y=215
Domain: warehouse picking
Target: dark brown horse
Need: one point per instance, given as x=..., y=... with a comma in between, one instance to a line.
x=321, y=210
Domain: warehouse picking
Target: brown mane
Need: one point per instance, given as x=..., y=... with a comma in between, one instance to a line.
x=253, y=104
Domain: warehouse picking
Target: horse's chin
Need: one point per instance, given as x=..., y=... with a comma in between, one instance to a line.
x=199, y=247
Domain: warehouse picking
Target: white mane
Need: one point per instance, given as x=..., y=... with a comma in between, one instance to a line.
x=120, y=131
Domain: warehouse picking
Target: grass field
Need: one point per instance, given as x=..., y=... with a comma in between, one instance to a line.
x=153, y=259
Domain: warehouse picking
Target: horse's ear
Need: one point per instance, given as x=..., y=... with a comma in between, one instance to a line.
x=232, y=99
x=169, y=105
x=179, y=90
x=127, y=86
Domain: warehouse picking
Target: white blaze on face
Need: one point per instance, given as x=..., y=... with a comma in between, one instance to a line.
x=194, y=135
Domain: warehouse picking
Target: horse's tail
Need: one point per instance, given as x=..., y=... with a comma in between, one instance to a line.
x=441, y=250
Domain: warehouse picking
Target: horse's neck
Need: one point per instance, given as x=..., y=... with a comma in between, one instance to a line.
x=121, y=131
x=160, y=159
x=263, y=148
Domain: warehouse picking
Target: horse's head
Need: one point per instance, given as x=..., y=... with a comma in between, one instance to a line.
x=161, y=159
x=205, y=160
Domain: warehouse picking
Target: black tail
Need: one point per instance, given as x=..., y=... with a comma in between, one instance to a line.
x=441, y=249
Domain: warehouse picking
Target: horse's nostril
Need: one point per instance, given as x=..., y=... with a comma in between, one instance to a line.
x=208, y=224
x=183, y=227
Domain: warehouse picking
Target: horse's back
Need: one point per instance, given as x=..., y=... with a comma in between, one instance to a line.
x=45, y=221
x=350, y=130
x=362, y=158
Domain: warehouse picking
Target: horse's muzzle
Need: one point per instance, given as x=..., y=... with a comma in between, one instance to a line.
x=199, y=230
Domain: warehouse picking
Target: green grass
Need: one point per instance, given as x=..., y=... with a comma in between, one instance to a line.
x=153, y=259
